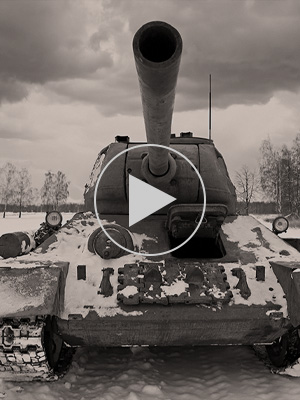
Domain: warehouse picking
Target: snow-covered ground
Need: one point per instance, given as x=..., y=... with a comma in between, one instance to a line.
x=29, y=221
x=161, y=373
x=227, y=373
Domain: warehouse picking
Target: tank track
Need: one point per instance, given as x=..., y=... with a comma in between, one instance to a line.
x=22, y=352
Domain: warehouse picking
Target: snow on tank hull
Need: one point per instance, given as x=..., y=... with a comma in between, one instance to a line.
x=63, y=293
x=235, y=299
x=240, y=301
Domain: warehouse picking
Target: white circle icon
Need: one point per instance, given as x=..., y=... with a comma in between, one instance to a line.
x=199, y=220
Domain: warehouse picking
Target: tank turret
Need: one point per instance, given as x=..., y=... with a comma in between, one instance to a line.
x=157, y=48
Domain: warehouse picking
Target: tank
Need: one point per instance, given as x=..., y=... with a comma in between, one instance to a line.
x=235, y=282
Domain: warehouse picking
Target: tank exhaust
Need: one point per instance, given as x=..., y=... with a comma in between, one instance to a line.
x=157, y=48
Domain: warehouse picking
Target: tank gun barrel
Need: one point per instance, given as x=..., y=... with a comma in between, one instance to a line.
x=157, y=48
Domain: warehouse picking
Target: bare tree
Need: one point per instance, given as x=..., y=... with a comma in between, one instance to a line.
x=296, y=173
x=24, y=190
x=287, y=179
x=55, y=190
x=61, y=189
x=270, y=173
x=36, y=197
x=280, y=175
x=247, y=185
x=47, y=191
x=7, y=185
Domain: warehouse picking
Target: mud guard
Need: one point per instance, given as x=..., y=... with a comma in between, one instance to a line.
x=31, y=291
x=288, y=275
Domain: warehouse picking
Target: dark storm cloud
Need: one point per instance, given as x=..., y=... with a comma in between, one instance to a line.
x=250, y=47
x=251, y=50
x=43, y=41
x=82, y=50
x=113, y=94
x=12, y=90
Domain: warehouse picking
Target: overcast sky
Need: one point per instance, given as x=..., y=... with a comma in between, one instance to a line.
x=68, y=83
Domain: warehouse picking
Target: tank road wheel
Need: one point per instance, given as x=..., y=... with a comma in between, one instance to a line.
x=285, y=350
x=59, y=356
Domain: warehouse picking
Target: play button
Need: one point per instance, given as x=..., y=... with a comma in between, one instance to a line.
x=145, y=200
x=141, y=200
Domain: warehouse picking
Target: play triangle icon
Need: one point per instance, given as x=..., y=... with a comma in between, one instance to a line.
x=145, y=200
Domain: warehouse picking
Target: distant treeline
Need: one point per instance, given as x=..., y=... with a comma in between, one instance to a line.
x=277, y=181
x=67, y=207
x=17, y=193
x=280, y=175
x=257, y=207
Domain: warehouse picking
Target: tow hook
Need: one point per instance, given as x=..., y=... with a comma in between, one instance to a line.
x=276, y=316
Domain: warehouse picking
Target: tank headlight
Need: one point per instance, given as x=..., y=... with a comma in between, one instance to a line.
x=280, y=225
x=54, y=219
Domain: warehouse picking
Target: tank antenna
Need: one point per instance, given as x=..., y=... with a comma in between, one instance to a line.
x=209, y=109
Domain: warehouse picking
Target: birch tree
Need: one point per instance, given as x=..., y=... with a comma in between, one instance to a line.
x=47, y=191
x=280, y=175
x=296, y=173
x=287, y=179
x=247, y=185
x=61, y=189
x=24, y=190
x=55, y=190
x=270, y=173
x=7, y=185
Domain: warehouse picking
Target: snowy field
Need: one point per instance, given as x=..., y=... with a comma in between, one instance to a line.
x=217, y=373
x=29, y=221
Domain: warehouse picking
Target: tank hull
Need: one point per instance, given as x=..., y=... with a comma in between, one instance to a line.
x=177, y=325
x=247, y=293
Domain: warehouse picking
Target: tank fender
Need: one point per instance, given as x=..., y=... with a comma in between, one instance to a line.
x=288, y=275
x=294, y=242
x=31, y=291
